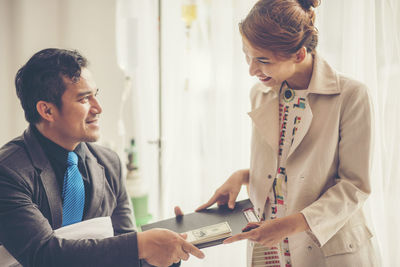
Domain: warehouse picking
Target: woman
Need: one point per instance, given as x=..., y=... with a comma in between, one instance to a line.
x=309, y=170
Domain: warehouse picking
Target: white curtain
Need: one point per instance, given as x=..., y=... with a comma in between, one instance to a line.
x=205, y=92
x=362, y=38
x=137, y=55
x=205, y=82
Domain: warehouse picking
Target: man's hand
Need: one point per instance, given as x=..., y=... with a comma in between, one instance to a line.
x=162, y=247
x=228, y=192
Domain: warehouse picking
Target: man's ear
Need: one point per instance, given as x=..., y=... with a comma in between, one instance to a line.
x=46, y=110
x=300, y=55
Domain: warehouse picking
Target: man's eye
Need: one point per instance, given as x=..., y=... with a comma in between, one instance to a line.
x=85, y=99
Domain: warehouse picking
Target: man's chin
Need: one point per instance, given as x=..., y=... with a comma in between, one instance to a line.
x=92, y=138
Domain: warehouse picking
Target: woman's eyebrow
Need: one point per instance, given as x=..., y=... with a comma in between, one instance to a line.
x=262, y=58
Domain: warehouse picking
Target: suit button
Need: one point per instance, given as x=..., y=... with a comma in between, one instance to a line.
x=269, y=176
x=309, y=247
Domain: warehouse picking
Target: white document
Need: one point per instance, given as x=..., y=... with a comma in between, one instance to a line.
x=96, y=228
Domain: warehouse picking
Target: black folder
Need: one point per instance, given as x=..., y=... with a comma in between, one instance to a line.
x=236, y=218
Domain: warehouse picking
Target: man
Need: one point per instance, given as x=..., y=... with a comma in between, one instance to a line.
x=53, y=176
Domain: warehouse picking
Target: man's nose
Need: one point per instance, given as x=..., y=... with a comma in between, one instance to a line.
x=95, y=106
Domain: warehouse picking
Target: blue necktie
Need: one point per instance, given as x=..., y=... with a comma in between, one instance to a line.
x=73, y=192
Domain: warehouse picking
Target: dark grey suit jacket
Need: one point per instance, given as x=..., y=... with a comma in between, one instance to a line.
x=31, y=207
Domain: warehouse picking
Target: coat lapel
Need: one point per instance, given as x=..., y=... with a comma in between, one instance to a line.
x=47, y=177
x=323, y=81
x=266, y=120
x=97, y=175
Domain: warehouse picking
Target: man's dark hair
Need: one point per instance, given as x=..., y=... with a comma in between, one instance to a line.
x=41, y=78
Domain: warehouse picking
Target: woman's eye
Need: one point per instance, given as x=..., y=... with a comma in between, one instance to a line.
x=264, y=62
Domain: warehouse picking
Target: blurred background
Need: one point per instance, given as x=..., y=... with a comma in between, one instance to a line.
x=172, y=78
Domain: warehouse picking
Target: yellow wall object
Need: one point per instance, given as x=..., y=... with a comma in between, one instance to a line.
x=189, y=14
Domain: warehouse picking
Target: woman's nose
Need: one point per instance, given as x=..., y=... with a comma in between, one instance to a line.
x=252, y=68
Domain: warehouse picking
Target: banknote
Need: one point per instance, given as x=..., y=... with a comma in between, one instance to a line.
x=209, y=233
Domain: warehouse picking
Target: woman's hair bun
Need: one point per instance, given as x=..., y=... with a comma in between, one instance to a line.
x=307, y=4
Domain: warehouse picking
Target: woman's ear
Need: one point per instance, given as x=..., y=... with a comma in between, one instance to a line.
x=300, y=55
x=45, y=110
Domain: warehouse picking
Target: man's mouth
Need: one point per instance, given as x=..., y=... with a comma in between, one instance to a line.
x=93, y=121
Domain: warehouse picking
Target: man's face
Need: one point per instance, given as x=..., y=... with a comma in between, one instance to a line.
x=77, y=120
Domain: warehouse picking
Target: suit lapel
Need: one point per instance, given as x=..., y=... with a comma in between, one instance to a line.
x=47, y=177
x=97, y=176
x=53, y=195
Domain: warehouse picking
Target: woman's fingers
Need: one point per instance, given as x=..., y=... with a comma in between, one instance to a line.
x=210, y=202
x=178, y=211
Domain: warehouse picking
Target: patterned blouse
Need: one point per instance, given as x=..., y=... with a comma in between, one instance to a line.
x=292, y=104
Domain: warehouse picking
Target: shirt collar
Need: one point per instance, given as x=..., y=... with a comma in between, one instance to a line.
x=56, y=151
x=324, y=79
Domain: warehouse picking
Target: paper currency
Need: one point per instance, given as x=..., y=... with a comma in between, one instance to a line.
x=209, y=233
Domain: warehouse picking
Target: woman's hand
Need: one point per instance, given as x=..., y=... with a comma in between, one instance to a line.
x=271, y=232
x=178, y=211
x=229, y=191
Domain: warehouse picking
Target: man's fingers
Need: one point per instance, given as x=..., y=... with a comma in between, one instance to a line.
x=189, y=248
x=237, y=238
x=183, y=255
x=178, y=211
x=183, y=235
x=212, y=200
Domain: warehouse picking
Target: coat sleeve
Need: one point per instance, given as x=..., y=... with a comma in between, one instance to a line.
x=335, y=206
x=28, y=236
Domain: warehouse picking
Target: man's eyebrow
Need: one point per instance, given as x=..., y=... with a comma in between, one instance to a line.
x=88, y=92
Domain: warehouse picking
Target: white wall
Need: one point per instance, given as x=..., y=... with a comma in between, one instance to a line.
x=28, y=26
x=10, y=114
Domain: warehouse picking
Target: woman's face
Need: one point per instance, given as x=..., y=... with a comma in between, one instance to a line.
x=269, y=69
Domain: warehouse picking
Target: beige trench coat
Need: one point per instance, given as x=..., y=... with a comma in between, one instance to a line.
x=327, y=168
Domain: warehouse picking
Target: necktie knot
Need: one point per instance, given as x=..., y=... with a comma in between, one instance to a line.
x=72, y=159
